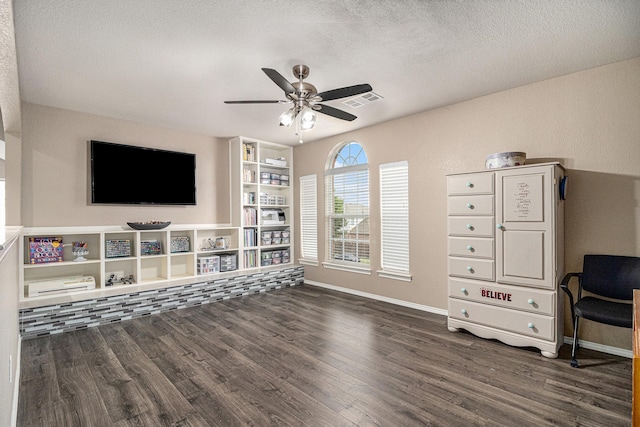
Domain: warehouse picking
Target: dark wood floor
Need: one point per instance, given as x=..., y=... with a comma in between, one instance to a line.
x=312, y=357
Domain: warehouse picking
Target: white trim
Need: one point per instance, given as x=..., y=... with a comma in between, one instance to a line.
x=349, y=268
x=346, y=169
x=16, y=385
x=313, y=262
x=402, y=303
x=395, y=275
x=616, y=351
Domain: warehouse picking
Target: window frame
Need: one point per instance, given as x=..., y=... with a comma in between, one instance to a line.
x=331, y=172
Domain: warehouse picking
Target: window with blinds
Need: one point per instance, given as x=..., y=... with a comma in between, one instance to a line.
x=347, y=206
x=394, y=220
x=309, y=217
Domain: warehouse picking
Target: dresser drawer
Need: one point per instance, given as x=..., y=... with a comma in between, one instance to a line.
x=520, y=322
x=517, y=297
x=470, y=183
x=481, y=269
x=470, y=205
x=474, y=247
x=471, y=226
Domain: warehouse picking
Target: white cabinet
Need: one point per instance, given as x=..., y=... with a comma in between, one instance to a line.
x=505, y=250
x=119, y=258
x=262, y=200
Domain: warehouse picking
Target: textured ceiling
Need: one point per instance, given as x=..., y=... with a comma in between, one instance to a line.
x=173, y=63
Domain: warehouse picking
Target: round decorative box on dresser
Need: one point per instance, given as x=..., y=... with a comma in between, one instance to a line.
x=505, y=247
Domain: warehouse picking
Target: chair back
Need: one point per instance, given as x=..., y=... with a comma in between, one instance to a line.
x=611, y=276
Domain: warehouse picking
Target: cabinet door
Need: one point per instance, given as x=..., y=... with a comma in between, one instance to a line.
x=525, y=226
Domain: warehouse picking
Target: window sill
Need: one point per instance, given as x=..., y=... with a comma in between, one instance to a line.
x=395, y=275
x=349, y=268
x=313, y=262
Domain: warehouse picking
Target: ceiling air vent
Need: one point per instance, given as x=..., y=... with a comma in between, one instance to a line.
x=361, y=100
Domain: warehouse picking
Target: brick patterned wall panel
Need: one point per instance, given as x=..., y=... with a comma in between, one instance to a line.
x=54, y=319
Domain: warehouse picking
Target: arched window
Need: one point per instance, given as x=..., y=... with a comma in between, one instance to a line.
x=347, y=205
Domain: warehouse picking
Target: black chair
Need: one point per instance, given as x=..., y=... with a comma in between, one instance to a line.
x=608, y=276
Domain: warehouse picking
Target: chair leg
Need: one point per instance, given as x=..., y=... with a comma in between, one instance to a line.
x=574, y=361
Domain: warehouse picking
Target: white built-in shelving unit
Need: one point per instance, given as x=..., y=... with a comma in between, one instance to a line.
x=262, y=201
x=260, y=234
x=144, y=270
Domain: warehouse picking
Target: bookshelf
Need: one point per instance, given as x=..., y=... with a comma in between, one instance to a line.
x=132, y=259
x=262, y=200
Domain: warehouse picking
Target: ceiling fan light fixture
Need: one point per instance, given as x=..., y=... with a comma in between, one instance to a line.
x=307, y=118
x=287, y=118
x=306, y=100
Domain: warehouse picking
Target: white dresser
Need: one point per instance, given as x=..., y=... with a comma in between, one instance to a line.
x=505, y=232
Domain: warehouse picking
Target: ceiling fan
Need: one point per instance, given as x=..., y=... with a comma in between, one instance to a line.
x=306, y=100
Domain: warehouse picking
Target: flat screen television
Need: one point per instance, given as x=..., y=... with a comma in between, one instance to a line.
x=126, y=174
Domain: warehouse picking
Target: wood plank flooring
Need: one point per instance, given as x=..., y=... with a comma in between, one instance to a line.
x=306, y=356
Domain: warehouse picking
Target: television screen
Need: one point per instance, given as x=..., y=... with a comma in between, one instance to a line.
x=124, y=174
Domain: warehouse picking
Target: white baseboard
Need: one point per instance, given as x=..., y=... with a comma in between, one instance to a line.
x=421, y=307
x=616, y=351
x=567, y=340
x=16, y=385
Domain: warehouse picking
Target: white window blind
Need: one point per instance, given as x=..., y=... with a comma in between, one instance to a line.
x=309, y=217
x=394, y=215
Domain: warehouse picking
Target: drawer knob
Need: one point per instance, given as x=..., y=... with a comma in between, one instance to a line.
x=470, y=269
x=469, y=205
x=463, y=311
x=470, y=248
x=470, y=184
x=499, y=226
x=463, y=290
x=469, y=227
x=530, y=301
x=530, y=326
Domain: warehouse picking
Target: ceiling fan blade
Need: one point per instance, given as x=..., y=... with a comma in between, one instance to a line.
x=278, y=79
x=344, y=92
x=256, y=102
x=334, y=112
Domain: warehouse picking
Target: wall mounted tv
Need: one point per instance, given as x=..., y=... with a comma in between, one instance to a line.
x=125, y=174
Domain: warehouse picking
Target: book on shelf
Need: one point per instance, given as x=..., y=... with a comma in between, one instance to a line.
x=249, y=198
x=45, y=249
x=250, y=216
x=248, y=176
x=251, y=237
x=248, y=152
x=250, y=258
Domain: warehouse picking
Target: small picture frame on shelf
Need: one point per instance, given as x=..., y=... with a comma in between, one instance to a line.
x=118, y=248
x=150, y=247
x=180, y=244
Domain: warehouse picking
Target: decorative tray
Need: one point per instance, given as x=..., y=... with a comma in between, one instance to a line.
x=149, y=225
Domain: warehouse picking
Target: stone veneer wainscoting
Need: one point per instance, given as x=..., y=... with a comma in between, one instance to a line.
x=57, y=318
